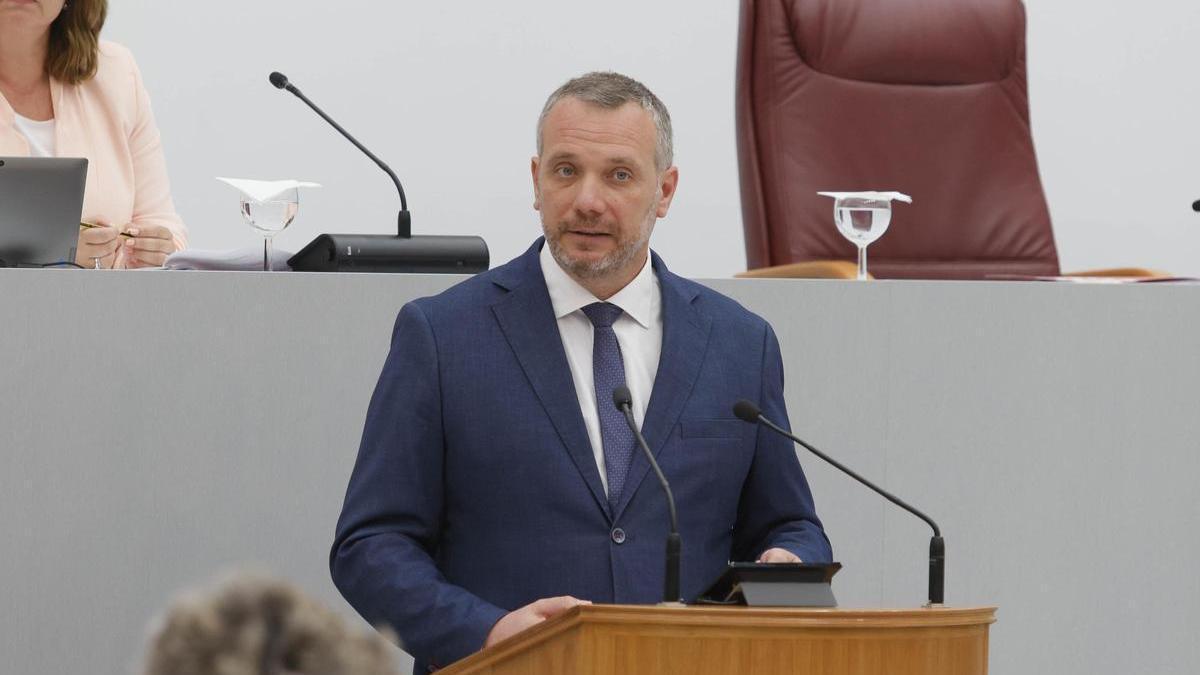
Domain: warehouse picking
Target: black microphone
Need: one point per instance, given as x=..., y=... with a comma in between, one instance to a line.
x=374, y=253
x=624, y=403
x=1196, y=205
x=747, y=411
x=404, y=223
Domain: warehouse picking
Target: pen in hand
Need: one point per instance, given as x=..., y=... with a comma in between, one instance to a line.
x=88, y=226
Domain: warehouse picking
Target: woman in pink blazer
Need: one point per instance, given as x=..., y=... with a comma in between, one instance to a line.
x=64, y=93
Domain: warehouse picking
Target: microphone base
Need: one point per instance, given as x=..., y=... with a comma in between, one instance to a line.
x=428, y=254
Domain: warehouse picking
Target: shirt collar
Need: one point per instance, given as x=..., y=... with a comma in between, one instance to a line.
x=566, y=295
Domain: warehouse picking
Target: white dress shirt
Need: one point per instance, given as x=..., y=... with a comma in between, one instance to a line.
x=639, y=332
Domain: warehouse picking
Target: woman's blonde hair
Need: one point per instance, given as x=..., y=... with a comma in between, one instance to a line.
x=75, y=41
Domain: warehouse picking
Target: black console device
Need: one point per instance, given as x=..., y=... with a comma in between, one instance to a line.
x=431, y=254
x=401, y=252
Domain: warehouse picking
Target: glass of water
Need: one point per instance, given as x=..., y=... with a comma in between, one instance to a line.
x=271, y=217
x=862, y=221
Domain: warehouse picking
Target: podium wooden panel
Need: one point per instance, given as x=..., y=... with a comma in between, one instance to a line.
x=647, y=640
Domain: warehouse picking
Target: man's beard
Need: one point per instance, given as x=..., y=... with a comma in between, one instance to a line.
x=595, y=269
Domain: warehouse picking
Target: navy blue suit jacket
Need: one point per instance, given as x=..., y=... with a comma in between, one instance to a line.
x=476, y=491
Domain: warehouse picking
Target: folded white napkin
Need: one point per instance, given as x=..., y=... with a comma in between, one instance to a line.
x=890, y=196
x=264, y=190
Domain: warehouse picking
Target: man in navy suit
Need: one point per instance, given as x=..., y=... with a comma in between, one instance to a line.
x=496, y=485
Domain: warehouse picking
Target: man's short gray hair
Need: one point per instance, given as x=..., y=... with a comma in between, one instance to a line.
x=611, y=91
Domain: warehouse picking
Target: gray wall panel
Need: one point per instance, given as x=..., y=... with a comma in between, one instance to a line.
x=1050, y=429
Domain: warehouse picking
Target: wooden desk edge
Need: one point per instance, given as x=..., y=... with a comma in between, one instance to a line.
x=699, y=615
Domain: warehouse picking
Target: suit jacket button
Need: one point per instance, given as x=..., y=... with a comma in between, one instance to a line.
x=618, y=535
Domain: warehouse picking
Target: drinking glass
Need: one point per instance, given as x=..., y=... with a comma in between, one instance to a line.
x=862, y=221
x=270, y=217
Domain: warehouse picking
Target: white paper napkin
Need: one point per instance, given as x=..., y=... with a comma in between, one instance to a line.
x=890, y=196
x=264, y=190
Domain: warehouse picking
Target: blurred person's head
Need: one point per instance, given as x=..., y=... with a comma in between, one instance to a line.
x=68, y=31
x=254, y=625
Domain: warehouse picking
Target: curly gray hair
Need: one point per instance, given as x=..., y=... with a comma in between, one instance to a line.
x=255, y=625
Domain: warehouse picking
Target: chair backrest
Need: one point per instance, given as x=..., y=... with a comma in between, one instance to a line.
x=927, y=97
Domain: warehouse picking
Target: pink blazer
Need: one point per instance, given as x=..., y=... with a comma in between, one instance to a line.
x=108, y=120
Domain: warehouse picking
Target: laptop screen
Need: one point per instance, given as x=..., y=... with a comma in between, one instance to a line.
x=41, y=200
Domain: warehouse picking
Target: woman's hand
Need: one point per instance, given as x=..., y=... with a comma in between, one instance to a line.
x=148, y=246
x=97, y=245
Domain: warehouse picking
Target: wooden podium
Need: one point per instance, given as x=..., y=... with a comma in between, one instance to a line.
x=646, y=640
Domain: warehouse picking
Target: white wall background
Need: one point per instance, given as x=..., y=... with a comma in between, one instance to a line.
x=448, y=93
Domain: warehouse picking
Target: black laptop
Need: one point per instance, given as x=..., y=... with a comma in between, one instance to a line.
x=41, y=200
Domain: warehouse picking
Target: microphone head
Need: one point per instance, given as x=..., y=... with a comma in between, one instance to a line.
x=278, y=79
x=746, y=411
x=621, y=397
x=1196, y=205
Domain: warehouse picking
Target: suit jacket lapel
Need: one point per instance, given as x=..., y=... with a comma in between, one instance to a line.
x=527, y=319
x=685, y=339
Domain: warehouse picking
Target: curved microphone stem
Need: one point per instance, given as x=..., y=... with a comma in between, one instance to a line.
x=404, y=221
x=671, y=585
x=937, y=545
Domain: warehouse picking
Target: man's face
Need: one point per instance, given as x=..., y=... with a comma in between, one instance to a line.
x=598, y=190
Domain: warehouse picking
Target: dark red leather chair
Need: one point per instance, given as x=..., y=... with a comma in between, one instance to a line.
x=927, y=97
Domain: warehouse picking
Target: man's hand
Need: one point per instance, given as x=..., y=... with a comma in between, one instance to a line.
x=778, y=555
x=149, y=246
x=530, y=615
x=97, y=245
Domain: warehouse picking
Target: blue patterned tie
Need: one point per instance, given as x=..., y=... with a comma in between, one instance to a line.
x=608, y=373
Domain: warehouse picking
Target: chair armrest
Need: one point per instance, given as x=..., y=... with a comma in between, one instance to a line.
x=811, y=269
x=1119, y=272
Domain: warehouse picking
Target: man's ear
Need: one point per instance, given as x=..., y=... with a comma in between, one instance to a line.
x=537, y=194
x=666, y=188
